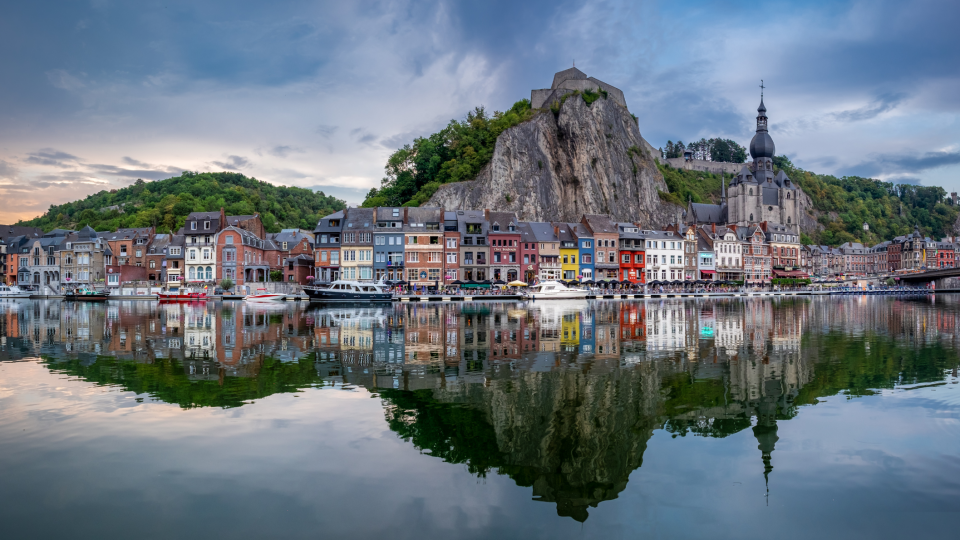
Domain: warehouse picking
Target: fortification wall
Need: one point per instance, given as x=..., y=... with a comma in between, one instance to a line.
x=714, y=167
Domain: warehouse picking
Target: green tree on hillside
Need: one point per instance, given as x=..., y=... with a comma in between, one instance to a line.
x=165, y=204
x=453, y=154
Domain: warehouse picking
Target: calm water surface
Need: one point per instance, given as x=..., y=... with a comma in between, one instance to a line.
x=806, y=418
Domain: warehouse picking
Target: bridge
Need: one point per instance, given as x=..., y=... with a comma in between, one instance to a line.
x=937, y=276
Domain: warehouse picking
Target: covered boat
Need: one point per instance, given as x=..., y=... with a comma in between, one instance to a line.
x=349, y=291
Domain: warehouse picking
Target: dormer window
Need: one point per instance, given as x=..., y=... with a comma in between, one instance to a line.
x=495, y=227
x=206, y=225
x=193, y=225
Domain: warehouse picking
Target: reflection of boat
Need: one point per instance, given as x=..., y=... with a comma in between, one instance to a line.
x=349, y=291
x=185, y=295
x=12, y=291
x=554, y=289
x=265, y=296
x=86, y=295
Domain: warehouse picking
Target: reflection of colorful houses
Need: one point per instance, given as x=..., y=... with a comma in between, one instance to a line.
x=570, y=331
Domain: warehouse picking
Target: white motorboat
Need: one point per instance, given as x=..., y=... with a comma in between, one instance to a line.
x=12, y=291
x=263, y=296
x=548, y=290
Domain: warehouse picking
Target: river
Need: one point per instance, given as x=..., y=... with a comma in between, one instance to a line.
x=666, y=418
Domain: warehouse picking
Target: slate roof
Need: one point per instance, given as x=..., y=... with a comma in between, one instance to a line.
x=708, y=213
x=538, y=231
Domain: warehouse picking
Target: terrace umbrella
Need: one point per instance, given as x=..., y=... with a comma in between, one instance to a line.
x=517, y=283
x=456, y=282
x=587, y=281
x=401, y=282
x=499, y=282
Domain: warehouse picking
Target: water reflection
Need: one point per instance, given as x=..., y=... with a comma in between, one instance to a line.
x=562, y=397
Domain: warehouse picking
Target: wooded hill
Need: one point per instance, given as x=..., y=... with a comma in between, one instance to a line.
x=165, y=204
x=844, y=204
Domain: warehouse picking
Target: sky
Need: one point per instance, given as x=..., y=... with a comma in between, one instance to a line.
x=97, y=94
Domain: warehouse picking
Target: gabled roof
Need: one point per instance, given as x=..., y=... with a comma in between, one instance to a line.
x=358, y=219
x=600, y=224
x=708, y=213
x=538, y=231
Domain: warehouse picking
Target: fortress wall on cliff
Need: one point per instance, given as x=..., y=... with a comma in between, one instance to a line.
x=714, y=167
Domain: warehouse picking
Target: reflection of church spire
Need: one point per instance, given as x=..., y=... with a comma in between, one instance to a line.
x=767, y=437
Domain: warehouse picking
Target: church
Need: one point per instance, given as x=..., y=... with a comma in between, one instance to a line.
x=756, y=194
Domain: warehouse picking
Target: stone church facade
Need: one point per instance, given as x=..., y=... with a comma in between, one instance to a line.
x=756, y=193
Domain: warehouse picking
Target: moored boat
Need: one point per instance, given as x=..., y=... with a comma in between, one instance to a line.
x=349, y=291
x=12, y=291
x=547, y=290
x=183, y=295
x=86, y=295
x=263, y=296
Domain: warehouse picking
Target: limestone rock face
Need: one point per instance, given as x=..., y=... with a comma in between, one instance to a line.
x=588, y=159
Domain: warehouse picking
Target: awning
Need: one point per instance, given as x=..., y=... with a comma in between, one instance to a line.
x=790, y=274
x=708, y=271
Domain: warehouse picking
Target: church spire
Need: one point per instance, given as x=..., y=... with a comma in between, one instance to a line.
x=723, y=189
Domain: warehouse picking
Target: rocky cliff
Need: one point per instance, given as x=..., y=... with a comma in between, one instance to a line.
x=580, y=159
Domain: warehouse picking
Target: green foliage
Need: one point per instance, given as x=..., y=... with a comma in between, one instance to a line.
x=589, y=96
x=276, y=275
x=165, y=204
x=226, y=284
x=675, y=150
x=453, y=154
x=696, y=186
x=789, y=282
x=855, y=200
x=716, y=149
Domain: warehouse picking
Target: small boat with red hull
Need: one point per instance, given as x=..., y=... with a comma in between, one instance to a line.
x=183, y=295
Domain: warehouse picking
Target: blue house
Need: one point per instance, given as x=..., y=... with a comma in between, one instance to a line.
x=388, y=243
x=585, y=244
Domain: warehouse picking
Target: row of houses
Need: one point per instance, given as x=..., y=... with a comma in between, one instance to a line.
x=433, y=247
x=209, y=248
x=908, y=253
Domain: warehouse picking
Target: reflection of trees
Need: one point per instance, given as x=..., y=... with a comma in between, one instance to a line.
x=167, y=380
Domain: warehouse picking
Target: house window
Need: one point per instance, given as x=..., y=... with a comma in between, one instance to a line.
x=193, y=225
x=206, y=225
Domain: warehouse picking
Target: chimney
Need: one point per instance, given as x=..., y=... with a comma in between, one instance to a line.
x=714, y=226
x=486, y=214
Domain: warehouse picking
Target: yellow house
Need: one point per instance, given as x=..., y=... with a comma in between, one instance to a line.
x=569, y=252
x=570, y=331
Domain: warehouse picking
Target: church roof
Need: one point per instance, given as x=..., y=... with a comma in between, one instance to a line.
x=762, y=109
x=708, y=213
x=783, y=180
x=761, y=146
x=567, y=74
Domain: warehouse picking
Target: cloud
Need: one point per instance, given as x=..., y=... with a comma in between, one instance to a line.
x=883, y=104
x=52, y=158
x=233, y=163
x=913, y=180
x=8, y=171
x=59, y=78
x=148, y=174
x=326, y=131
x=284, y=151
x=900, y=163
